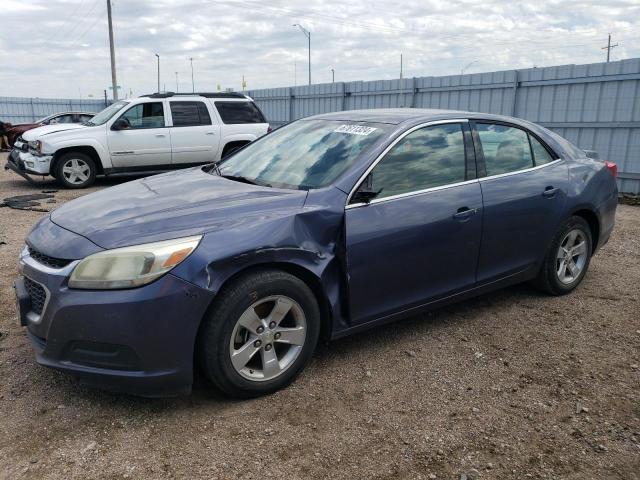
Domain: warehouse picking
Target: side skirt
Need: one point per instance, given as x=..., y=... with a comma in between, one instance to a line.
x=513, y=279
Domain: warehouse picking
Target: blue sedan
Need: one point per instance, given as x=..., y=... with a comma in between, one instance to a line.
x=325, y=227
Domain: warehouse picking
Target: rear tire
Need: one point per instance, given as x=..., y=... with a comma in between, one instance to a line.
x=75, y=170
x=259, y=334
x=568, y=258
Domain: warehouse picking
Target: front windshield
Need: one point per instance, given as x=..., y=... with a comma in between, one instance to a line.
x=303, y=155
x=106, y=114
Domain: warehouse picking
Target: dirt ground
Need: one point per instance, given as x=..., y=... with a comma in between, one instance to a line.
x=514, y=384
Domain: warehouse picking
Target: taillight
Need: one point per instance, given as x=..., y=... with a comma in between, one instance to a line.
x=613, y=168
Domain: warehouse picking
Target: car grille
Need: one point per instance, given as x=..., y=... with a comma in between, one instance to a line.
x=37, y=294
x=47, y=260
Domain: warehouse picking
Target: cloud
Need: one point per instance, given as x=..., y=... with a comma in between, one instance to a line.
x=60, y=47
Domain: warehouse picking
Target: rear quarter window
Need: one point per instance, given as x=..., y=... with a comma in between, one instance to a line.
x=239, y=112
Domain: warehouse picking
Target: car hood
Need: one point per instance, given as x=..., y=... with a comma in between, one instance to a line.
x=172, y=205
x=21, y=127
x=46, y=130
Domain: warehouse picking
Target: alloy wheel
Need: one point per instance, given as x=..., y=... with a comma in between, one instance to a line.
x=76, y=171
x=572, y=256
x=268, y=338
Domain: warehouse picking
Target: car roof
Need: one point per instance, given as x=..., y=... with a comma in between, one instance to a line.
x=216, y=95
x=397, y=116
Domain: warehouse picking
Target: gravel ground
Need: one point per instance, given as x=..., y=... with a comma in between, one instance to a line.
x=514, y=384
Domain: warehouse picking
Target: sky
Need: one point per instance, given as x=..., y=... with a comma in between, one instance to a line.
x=60, y=48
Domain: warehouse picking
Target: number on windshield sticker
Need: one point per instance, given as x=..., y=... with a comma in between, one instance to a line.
x=355, y=129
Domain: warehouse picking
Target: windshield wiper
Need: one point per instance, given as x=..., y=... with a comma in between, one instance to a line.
x=238, y=178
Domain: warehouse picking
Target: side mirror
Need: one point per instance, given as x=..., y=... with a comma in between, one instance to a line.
x=120, y=124
x=365, y=192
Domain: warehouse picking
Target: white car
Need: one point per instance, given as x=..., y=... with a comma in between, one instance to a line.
x=152, y=133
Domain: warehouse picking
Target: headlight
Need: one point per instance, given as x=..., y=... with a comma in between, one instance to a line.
x=36, y=145
x=131, y=266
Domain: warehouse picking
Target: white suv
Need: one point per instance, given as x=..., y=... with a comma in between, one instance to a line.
x=151, y=133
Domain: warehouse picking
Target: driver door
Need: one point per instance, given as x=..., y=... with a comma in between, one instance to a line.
x=146, y=140
x=418, y=239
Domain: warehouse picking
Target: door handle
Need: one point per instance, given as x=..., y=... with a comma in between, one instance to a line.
x=550, y=192
x=160, y=135
x=211, y=133
x=464, y=213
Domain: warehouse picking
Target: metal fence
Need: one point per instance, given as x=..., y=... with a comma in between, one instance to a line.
x=25, y=110
x=595, y=106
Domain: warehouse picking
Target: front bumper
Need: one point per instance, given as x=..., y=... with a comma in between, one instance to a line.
x=139, y=341
x=26, y=163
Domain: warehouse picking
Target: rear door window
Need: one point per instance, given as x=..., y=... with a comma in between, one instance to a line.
x=189, y=114
x=239, y=112
x=506, y=149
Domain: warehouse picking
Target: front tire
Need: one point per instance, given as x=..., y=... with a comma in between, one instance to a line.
x=568, y=258
x=75, y=170
x=259, y=335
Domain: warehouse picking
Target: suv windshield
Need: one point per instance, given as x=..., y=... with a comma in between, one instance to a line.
x=106, y=114
x=303, y=155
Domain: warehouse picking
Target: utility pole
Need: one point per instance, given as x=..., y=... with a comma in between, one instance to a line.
x=193, y=85
x=400, y=66
x=608, y=48
x=295, y=73
x=307, y=34
x=114, y=82
x=176, y=82
x=333, y=76
x=158, y=72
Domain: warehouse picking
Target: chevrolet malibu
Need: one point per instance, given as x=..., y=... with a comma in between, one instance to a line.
x=320, y=229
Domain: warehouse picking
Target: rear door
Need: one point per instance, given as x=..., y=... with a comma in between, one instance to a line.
x=195, y=137
x=524, y=187
x=419, y=239
x=146, y=142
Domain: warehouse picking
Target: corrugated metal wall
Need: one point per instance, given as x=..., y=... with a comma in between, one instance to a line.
x=595, y=106
x=24, y=110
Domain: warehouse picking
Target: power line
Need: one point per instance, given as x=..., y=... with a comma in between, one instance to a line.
x=97, y=19
x=82, y=20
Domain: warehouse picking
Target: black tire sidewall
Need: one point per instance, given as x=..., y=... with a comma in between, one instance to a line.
x=551, y=281
x=214, y=339
x=82, y=156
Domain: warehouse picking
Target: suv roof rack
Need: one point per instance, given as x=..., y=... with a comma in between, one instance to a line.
x=201, y=94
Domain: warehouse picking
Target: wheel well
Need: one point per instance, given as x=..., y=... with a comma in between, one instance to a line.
x=233, y=145
x=301, y=273
x=594, y=225
x=84, y=149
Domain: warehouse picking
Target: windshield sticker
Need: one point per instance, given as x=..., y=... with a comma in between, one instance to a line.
x=355, y=129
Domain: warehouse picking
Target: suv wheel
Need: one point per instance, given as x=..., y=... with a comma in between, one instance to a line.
x=259, y=335
x=568, y=258
x=75, y=170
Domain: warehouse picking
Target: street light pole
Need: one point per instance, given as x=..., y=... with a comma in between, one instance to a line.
x=307, y=34
x=333, y=76
x=176, y=82
x=193, y=85
x=158, y=72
